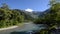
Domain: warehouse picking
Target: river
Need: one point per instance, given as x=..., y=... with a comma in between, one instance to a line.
x=27, y=28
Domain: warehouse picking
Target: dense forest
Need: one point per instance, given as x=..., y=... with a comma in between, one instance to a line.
x=51, y=18
x=9, y=17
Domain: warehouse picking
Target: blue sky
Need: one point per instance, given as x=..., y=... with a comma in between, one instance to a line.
x=37, y=5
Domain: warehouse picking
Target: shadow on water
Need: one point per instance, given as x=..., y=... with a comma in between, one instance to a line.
x=57, y=31
x=19, y=33
x=32, y=29
x=24, y=32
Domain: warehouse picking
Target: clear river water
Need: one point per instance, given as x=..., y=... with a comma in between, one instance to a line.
x=27, y=28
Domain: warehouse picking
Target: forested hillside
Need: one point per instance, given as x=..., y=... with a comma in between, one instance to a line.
x=51, y=18
x=9, y=17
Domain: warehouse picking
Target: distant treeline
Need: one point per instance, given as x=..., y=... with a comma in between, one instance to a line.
x=10, y=17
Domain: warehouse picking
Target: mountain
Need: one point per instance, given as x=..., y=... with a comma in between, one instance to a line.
x=44, y=13
x=34, y=14
x=25, y=14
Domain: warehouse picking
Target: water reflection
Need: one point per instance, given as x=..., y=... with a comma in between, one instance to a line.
x=24, y=32
x=19, y=33
x=26, y=29
x=30, y=30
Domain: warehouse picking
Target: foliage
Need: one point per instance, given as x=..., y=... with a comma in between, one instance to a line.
x=52, y=19
x=9, y=17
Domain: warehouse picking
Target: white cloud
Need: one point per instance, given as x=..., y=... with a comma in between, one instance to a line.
x=29, y=10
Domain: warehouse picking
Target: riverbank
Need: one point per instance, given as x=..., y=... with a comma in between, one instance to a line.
x=27, y=26
x=11, y=27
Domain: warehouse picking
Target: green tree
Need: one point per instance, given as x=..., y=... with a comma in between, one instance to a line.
x=52, y=19
x=9, y=17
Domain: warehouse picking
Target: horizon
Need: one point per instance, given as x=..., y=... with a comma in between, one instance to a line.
x=33, y=5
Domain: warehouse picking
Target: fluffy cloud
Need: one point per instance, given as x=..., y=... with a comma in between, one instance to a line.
x=29, y=10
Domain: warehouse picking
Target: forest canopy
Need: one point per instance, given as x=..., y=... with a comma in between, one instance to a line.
x=9, y=17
